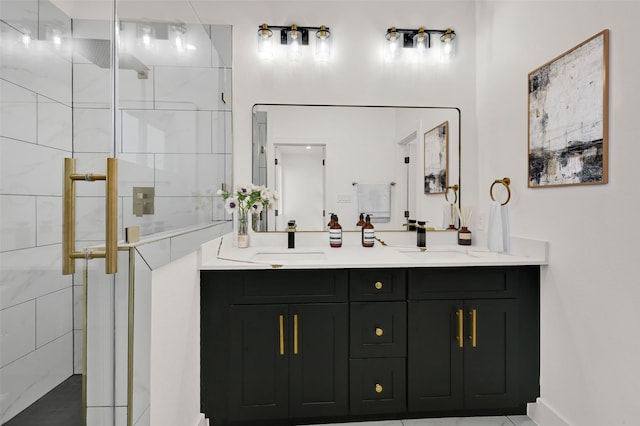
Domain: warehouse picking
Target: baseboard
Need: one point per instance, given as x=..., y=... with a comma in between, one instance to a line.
x=203, y=421
x=543, y=415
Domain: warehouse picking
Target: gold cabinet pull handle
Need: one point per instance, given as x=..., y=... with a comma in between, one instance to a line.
x=281, y=334
x=378, y=285
x=460, y=336
x=69, y=252
x=474, y=335
x=378, y=388
x=379, y=331
x=295, y=334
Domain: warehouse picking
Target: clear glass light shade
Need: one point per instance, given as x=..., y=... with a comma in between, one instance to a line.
x=394, y=44
x=448, y=45
x=323, y=45
x=294, y=41
x=265, y=43
x=421, y=45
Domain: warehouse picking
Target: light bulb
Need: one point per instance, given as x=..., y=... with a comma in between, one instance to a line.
x=323, y=44
x=265, y=50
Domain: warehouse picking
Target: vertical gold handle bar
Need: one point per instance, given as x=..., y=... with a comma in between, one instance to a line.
x=295, y=334
x=460, y=315
x=111, y=239
x=281, y=334
x=69, y=252
x=68, y=218
x=474, y=336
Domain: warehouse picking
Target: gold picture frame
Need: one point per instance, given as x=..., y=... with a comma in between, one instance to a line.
x=436, y=159
x=568, y=117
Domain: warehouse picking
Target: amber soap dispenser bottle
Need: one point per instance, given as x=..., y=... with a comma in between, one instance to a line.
x=368, y=234
x=335, y=232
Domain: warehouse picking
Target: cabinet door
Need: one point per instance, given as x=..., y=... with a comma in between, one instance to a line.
x=258, y=362
x=490, y=359
x=318, y=360
x=434, y=357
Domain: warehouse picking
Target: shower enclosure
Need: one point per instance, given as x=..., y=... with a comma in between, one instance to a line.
x=91, y=81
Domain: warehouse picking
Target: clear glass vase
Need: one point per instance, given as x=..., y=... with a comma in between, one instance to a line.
x=243, y=229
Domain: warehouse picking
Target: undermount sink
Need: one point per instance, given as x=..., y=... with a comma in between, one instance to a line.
x=416, y=253
x=288, y=256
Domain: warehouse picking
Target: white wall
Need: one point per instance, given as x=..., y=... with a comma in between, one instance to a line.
x=356, y=73
x=589, y=292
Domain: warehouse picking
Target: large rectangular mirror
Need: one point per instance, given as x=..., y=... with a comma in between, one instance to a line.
x=349, y=159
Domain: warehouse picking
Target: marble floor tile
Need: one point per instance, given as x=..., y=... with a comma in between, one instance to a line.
x=522, y=421
x=449, y=421
x=460, y=421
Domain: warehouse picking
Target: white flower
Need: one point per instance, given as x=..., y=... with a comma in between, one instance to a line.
x=219, y=192
x=231, y=204
x=256, y=208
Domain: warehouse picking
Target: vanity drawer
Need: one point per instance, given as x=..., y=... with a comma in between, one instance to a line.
x=377, y=284
x=377, y=386
x=284, y=286
x=463, y=282
x=378, y=329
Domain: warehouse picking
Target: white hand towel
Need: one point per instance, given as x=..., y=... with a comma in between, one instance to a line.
x=506, y=229
x=495, y=239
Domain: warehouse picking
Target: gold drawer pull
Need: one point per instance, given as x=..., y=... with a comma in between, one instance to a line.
x=281, y=324
x=379, y=331
x=295, y=334
x=378, y=285
x=474, y=324
x=378, y=388
x=460, y=337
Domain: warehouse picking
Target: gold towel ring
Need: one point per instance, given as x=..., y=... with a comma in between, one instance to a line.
x=506, y=182
x=455, y=193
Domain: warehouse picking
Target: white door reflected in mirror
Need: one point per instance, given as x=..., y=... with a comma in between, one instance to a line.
x=300, y=183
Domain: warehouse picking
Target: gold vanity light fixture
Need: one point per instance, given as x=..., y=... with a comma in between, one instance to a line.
x=420, y=41
x=295, y=37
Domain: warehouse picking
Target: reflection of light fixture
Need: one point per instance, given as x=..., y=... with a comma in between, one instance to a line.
x=295, y=37
x=26, y=40
x=420, y=40
x=178, y=34
x=146, y=35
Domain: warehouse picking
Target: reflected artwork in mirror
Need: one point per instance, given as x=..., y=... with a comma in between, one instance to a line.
x=319, y=158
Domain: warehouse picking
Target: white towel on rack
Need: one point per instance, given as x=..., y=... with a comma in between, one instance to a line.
x=499, y=233
x=374, y=199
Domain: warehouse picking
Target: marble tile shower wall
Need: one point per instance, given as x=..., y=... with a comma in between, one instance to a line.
x=175, y=135
x=35, y=135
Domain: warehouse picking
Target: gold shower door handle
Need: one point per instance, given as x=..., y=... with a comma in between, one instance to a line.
x=69, y=253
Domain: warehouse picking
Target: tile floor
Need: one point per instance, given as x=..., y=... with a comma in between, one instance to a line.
x=451, y=421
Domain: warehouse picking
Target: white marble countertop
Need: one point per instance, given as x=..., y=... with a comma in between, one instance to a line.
x=312, y=251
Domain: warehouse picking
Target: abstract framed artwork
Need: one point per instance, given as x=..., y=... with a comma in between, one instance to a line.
x=436, y=159
x=568, y=117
